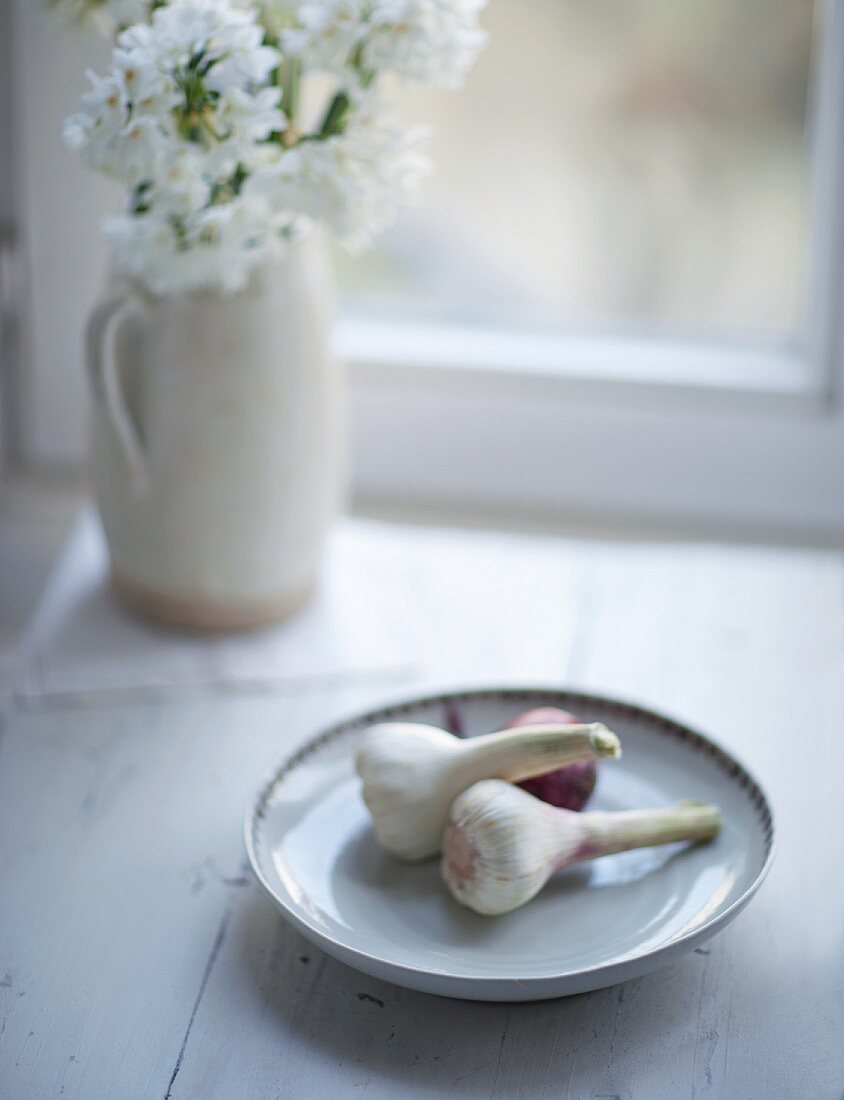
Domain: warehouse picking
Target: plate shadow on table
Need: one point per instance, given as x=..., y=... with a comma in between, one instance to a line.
x=416, y=1042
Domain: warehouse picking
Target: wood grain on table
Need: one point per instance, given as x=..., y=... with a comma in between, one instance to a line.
x=138, y=958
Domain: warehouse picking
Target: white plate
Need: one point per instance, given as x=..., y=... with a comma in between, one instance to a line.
x=310, y=844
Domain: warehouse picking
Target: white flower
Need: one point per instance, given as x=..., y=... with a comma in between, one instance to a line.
x=327, y=33
x=94, y=131
x=190, y=118
x=137, y=70
x=105, y=99
x=355, y=182
x=181, y=187
x=140, y=151
x=110, y=141
x=424, y=41
x=249, y=118
x=167, y=84
x=216, y=249
x=220, y=32
x=243, y=123
x=181, y=118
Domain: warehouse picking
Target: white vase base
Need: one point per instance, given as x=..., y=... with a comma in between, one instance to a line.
x=204, y=615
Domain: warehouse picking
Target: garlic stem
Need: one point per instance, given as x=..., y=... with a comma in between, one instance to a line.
x=501, y=845
x=525, y=751
x=625, y=829
x=412, y=773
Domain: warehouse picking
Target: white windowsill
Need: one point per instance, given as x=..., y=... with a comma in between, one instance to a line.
x=403, y=355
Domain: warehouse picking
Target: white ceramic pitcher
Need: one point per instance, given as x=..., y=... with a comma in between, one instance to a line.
x=219, y=444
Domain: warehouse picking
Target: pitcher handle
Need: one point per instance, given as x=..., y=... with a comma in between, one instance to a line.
x=104, y=374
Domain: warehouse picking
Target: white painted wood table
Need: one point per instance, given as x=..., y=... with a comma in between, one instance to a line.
x=138, y=959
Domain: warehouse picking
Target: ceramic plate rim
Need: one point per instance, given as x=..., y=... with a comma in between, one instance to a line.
x=735, y=769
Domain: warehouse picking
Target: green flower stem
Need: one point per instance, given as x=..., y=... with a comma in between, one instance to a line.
x=290, y=85
x=335, y=116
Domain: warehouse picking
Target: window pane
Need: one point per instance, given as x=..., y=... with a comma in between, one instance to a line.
x=616, y=163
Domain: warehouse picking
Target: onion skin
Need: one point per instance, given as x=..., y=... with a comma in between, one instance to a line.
x=453, y=719
x=569, y=788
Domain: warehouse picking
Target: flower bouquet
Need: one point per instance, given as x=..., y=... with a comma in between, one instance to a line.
x=236, y=127
x=200, y=116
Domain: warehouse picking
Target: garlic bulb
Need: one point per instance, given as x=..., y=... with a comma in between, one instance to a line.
x=412, y=773
x=501, y=845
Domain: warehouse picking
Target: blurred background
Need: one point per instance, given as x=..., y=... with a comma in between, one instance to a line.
x=637, y=164
x=617, y=305
x=637, y=168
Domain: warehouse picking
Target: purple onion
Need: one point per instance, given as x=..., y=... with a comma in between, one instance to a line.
x=571, y=787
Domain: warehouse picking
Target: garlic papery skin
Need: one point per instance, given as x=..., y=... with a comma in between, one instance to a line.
x=412, y=773
x=501, y=845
